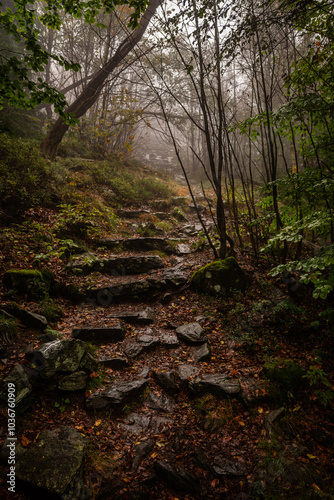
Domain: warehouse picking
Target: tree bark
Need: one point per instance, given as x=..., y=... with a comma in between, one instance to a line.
x=91, y=92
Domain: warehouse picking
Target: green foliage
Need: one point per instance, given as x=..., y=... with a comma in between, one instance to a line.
x=23, y=176
x=62, y=405
x=318, y=379
x=22, y=24
x=50, y=310
x=8, y=328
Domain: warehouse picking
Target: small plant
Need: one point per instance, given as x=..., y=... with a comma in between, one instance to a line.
x=52, y=311
x=318, y=379
x=8, y=328
x=62, y=406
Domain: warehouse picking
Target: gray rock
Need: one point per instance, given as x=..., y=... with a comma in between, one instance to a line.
x=148, y=342
x=271, y=419
x=116, y=266
x=59, y=356
x=219, y=278
x=187, y=372
x=136, y=423
x=54, y=462
x=76, y=381
x=183, y=249
x=116, y=394
x=132, y=214
x=145, y=317
x=141, y=451
x=203, y=353
x=109, y=335
x=217, y=384
x=23, y=389
x=159, y=402
x=134, y=350
x=180, y=480
x=226, y=467
x=166, y=380
x=192, y=333
x=169, y=340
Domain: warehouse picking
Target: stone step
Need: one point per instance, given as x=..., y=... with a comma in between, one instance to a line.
x=115, y=265
x=108, y=335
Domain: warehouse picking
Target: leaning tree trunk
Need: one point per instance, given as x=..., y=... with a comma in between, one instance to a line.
x=91, y=92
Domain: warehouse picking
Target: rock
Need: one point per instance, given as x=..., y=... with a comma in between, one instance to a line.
x=180, y=480
x=202, y=460
x=54, y=463
x=145, y=317
x=141, y=451
x=116, y=394
x=219, y=278
x=116, y=266
x=271, y=419
x=108, y=335
x=162, y=215
x=161, y=424
x=116, y=363
x=169, y=340
x=179, y=215
x=226, y=467
x=166, y=380
x=218, y=385
x=185, y=373
x=22, y=392
x=88, y=363
x=29, y=319
x=59, y=356
x=134, y=350
x=167, y=297
x=192, y=333
x=29, y=281
x=76, y=381
x=136, y=423
x=147, y=244
x=159, y=402
x=148, y=342
x=203, y=353
x=174, y=277
x=182, y=249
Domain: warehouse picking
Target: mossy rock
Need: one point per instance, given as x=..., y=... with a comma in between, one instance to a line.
x=29, y=281
x=220, y=277
x=285, y=378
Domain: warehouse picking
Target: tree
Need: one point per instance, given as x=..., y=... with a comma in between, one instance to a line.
x=91, y=92
x=22, y=81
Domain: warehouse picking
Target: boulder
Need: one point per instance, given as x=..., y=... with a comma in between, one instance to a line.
x=186, y=373
x=217, y=384
x=116, y=394
x=191, y=333
x=159, y=402
x=141, y=450
x=225, y=467
x=108, y=335
x=54, y=464
x=59, y=356
x=76, y=381
x=28, y=281
x=203, y=353
x=220, y=278
x=23, y=389
x=116, y=362
x=169, y=340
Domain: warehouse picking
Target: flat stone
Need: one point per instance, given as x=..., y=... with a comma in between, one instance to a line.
x=192, y=333
x=145, y=317
x=115, y=265
x=186, y=372
x=169, y=340
x=180, y=480
x=226, y=467
x=159, y=402
x=218, y=385
x=54, y=462
x=76, y=381
x=203, y=353
x=183, y=249
x=136, y=423
x=121, y=391
x=134, y=350
x=132, y=214
x=106, y=335
x=148, y=342
x=29, y=319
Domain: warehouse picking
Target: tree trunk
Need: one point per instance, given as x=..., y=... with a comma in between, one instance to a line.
x=91, y=92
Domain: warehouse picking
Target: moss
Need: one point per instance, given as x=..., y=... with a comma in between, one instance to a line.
x=219, y=277
x=28, y=281
x=8, y=327
x=285, y=378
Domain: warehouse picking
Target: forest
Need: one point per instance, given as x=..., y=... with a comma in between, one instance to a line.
x=166, y=249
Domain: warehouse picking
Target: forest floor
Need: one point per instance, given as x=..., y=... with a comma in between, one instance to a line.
x=292, y=458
